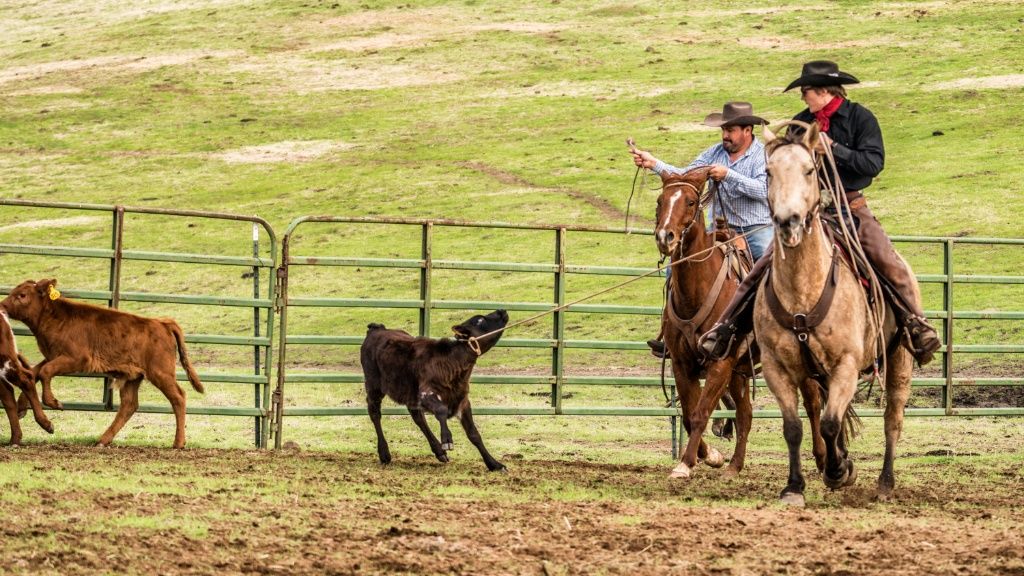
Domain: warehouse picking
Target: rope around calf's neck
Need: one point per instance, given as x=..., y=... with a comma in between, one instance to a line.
x=473, y=343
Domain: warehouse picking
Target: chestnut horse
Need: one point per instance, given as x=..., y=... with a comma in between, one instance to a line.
x=831, y=335
x=699, y=289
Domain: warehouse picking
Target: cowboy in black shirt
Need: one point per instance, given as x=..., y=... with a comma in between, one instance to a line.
x=852, y=132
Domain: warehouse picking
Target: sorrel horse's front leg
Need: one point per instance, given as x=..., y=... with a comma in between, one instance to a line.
x=842, y=386
x=718, y=375
x=744, y=420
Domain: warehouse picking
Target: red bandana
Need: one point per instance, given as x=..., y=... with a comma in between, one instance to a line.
x=823, y=115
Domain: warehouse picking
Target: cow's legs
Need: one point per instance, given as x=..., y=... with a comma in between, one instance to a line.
x=29, y=393
x=11, y=407
x=52, y=368
x=129, y=404
x=466, y=418
x=435, y=444
x=432, y=402
x=373, y=399
x=167, y=384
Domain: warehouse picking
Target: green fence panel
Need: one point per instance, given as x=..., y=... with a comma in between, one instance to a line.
x=431, y=298
x=256, y=257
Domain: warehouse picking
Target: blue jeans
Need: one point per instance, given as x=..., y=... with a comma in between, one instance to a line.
x=758, y=241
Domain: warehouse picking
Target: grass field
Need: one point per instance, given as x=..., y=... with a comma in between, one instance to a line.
x=483, y=111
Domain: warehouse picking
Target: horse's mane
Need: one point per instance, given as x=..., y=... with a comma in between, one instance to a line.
x=793, y=135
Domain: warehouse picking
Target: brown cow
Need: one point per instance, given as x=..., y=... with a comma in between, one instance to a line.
x=427, y=374
x=78, y=337
x=16, y=371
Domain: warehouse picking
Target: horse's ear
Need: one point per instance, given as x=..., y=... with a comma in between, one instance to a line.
x=811, y=140
x=768, y=135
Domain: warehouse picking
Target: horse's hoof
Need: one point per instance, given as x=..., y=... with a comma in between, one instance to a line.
x=714, y=458
x=48, y=426
x=680, y=471
x=447, y=446
x=22, y=413
x=731, y=472
x=53, y=403
x=443, y=458
x=792, y=499
x=851, y=475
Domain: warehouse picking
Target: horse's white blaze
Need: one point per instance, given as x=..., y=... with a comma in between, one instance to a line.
x=668, y=215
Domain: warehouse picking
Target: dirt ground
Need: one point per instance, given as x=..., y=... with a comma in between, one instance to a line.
x=78, y=510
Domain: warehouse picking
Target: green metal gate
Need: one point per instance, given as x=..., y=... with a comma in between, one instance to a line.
x=155, y=227
x=427, y=302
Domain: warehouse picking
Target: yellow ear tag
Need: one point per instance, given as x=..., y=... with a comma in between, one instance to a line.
x=54, y=293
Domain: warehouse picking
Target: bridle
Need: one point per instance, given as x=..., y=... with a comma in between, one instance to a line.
x=816, y=163
x=703, y=201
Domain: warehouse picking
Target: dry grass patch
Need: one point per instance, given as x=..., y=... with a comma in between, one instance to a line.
x=303, y=76
x=52, y=223
x=107, y=64
x=286, y=151
x=991, y=82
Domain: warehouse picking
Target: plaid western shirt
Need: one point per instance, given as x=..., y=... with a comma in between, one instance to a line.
x=743, y=194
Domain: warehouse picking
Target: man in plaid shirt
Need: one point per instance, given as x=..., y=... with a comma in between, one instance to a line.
x=737, y=165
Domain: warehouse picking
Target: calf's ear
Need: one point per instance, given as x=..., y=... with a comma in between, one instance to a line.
x=44, y=286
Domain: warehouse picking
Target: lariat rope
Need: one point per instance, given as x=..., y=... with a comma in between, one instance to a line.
x=851, y=241
x=473, y=340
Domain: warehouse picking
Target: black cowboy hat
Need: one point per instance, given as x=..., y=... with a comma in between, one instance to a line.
x=734, y=114
x=821, y=73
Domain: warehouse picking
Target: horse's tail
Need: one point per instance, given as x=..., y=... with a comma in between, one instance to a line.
x=852, y=423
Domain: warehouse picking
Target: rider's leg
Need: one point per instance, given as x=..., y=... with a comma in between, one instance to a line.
x=737, y=320
x=887, y=264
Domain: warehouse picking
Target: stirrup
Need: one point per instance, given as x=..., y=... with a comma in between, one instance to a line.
x=718, y=341
x=923, y=340
x=658, y=349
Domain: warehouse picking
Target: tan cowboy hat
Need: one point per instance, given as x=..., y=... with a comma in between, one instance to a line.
x=821, y=73
x=734, y=114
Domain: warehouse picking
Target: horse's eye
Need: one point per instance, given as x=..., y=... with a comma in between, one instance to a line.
x=691, y=203
x=809, y=172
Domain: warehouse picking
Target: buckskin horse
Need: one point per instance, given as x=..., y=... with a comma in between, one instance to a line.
x=813, y=323
x=704, y=278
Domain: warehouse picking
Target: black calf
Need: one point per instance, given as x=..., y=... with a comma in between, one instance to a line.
x=428, y=374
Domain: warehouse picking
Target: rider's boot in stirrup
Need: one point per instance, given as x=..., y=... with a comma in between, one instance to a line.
x=718, y=341
x=924, y=340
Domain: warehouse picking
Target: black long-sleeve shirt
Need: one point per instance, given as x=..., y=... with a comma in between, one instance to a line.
x=858, y=148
